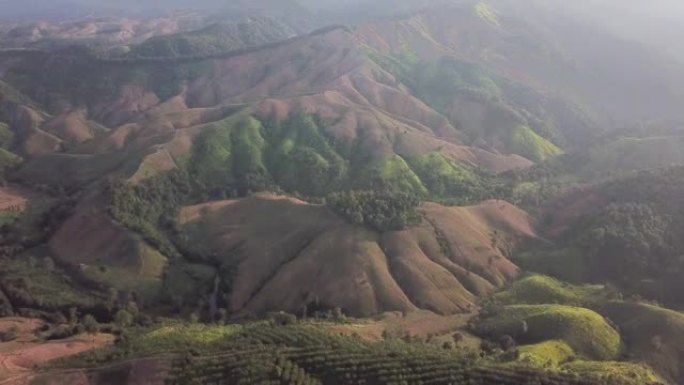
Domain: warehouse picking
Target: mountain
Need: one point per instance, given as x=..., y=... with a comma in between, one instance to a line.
x=198, y=181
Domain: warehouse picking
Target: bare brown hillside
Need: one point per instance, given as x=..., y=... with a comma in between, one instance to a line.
x=290, y=253
x=326, y=74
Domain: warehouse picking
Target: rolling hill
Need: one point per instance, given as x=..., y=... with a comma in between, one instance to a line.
x=238, y=166
x=288, y=242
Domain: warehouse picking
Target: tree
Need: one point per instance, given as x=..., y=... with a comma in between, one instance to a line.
x=223, y=316
x=458, y=338
x=283, y=319
x=383, y=211
x=112, y=298
x=91, y=325
x=123, y=319
x=48, y=264
x=73, y=315
x=338, y=315
x=194, y=318
x=507, y=343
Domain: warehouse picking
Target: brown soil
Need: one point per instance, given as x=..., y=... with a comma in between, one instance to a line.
x=13, y=199
x=27, y=353
x=293, y=253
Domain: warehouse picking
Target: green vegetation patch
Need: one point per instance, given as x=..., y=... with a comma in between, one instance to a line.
x=445, y=177
x=181, y=337
x=6, y=136
x=539, y=289
x=526, y=142
x=392, y=174
x=8, y=161
x=124, y=280
x=7, y=217
x=32, y=282
x=547, y=354
x=587, y=332
x=302, y=159
x=381, y=211
x=615, y=372
x=507, y=115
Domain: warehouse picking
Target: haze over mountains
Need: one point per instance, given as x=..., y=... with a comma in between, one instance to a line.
x=228, y=161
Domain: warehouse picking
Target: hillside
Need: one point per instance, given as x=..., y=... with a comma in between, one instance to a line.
x=107, y=31
x=621, y=156
x=216, y=38
x=329, y=76
x=623, y=230
x=429, y=266
x=411, y=93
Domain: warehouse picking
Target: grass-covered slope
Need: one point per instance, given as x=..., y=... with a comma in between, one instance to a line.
x=640, y=339
x=240, y=154
x=538, y=289
x=483, y=106
x=551, y=353
x=620, y=372
x=587, y=332
x=526, y=142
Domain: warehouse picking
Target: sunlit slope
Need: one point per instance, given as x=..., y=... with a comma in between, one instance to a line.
x=319, y=257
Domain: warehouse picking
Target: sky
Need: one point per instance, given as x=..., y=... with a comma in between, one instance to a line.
x=612, y=11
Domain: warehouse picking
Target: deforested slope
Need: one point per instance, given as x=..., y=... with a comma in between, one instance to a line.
x=322, y=259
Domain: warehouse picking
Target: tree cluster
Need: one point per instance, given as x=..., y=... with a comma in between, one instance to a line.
x=382, y=211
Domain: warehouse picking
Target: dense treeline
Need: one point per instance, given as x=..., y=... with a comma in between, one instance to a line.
x=150, y=208
x=379, y=210
x=635, y=241
x=629, y=241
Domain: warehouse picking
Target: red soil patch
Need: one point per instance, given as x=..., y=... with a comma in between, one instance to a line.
x=27, y=353
x=13, y=199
